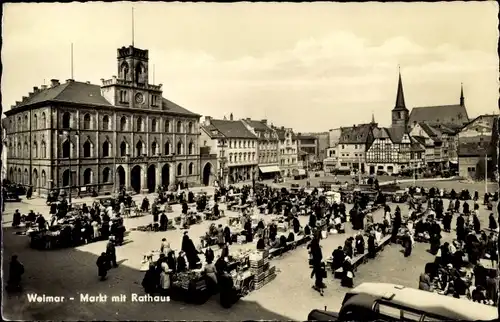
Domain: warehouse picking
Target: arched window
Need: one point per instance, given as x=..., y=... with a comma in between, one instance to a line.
x=43, y=150
x=35, y=149
x=140, y=73
x=87, y=149
x=19, y=176
x=87, y=176
x=44, y=121
x=154, y=148
x=179, y=169
x=124, y=71
x=123, y=123
x=26, y=124
x=26, y=150
x=139, y=124
x=66, y=178
x=43, y=182
x=123, y=149
x=105, y=122
x=19, y=152
x=167, y=126
x=191, y=148
x=106, y=175
x=86, y=122
x=153, y=125
x=66, y=120
x=105, y=149
x=26, y=177
x=35, y=122
x=138, y=148
x=179, y=148
x=179, y=127
x=167, y=148
x=190, y=127
x=191, y=168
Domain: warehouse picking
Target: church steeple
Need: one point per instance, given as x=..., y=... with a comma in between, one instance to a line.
x=462, y=98
x=400, y=96
x=400, y=114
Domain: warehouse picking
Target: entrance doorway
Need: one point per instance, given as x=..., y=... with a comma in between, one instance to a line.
x=120, y=172
x=207, y=170
x=151, y=178
x=165, y=176
x=135, y=178
x=372, y=169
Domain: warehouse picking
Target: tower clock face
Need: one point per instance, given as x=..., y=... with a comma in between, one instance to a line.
x=139, y=98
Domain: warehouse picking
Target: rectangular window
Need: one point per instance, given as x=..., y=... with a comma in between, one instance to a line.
x=389, y=311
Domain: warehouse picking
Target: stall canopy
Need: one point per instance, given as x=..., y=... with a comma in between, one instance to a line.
x=299, y=172
x=269, y=169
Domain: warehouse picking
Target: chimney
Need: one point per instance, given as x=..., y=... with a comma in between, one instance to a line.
x=282, y=128
x=43, y=87
x=102, y=81
x=30, y=94
x=70, y=80
x=264, y=121
x=24, y=99
x=248, y=119
x=54, y=82
x=35, y=89
x=231, y=116
x=208, y=120
x=87, y=82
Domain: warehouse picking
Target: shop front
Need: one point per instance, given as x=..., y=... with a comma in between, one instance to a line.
x=269, y=172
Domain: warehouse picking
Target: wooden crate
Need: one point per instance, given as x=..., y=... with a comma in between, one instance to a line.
x=259, y=277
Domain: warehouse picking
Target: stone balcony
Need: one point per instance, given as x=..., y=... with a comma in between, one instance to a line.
x=117, y=81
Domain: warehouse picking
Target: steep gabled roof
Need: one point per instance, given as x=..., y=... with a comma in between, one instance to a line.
x=454, y=114
x=170, y=106
x=416, y=145
x=258, y=125
x=380, y=133
x=396, y=134
x=233, y=129
x=212, y=131
x=358, y=134
x=400, y=96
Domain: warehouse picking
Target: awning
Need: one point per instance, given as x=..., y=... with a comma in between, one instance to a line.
x=453, y=162
x=269, y=169
x=299, y=172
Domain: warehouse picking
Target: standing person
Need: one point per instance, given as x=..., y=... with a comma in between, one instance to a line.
x=165, y=247
x=165, y=282
x=407, y=244
x=149, y=280
x=319, y=272
x=103, y=266
x=461, y=228
x=347, y=273
x=111, y=251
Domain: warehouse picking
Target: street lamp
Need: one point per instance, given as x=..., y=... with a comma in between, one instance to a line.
x=222, y=145
x=67, y=133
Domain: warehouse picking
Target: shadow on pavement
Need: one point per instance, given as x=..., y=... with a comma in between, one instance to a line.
x=71, y=272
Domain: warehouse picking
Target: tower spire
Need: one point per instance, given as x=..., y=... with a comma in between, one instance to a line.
x=400, y=97
x=462, y=98
x=373, y=118
x=72, y=61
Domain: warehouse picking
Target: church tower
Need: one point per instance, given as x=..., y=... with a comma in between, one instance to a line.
x=400, y=114
x=462, y=98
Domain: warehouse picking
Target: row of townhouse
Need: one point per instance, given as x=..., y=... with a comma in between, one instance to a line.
x=249, y=149
x=428, y=136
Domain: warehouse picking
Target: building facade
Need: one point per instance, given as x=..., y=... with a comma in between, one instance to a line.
x=268, y=147
x=288, y=150
x=120, y=134
x=235, y=146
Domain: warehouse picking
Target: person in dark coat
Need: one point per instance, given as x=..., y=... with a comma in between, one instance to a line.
x=16, y=219
x=338, y=257
x=492, y=223
x=149, y=281
x=457, y=205
x=476, y=223
x=171, y=261
x=185, y=208
x=227, y=236
x=181, y=263
x=209, y=255
x=348, y=247
x=163, y=222
x=248, y=230
x=228, y=294
x=396, y=225
x=16, y=271
x=460, y=228
x=296, y=225
x=319, y=273
x=372, y=249
x=111, y=252
x=347, y=273
x=312, y=220
x=103, y=266
x=407, y=244
x=447, y=222
x=145, y=204
x=190, y=250
x=360, y=244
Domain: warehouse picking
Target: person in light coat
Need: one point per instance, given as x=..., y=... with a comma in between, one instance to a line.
x=165, y=282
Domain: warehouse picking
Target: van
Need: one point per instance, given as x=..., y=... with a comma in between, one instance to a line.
x=390, y=302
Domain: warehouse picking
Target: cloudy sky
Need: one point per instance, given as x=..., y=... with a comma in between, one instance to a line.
x=311, y=66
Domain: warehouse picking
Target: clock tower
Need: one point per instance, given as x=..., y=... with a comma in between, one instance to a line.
x=131, y=88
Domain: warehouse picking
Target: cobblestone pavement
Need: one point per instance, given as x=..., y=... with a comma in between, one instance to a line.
x=68, y=272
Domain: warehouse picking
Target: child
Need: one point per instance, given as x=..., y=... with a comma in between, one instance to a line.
x=319, y=272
